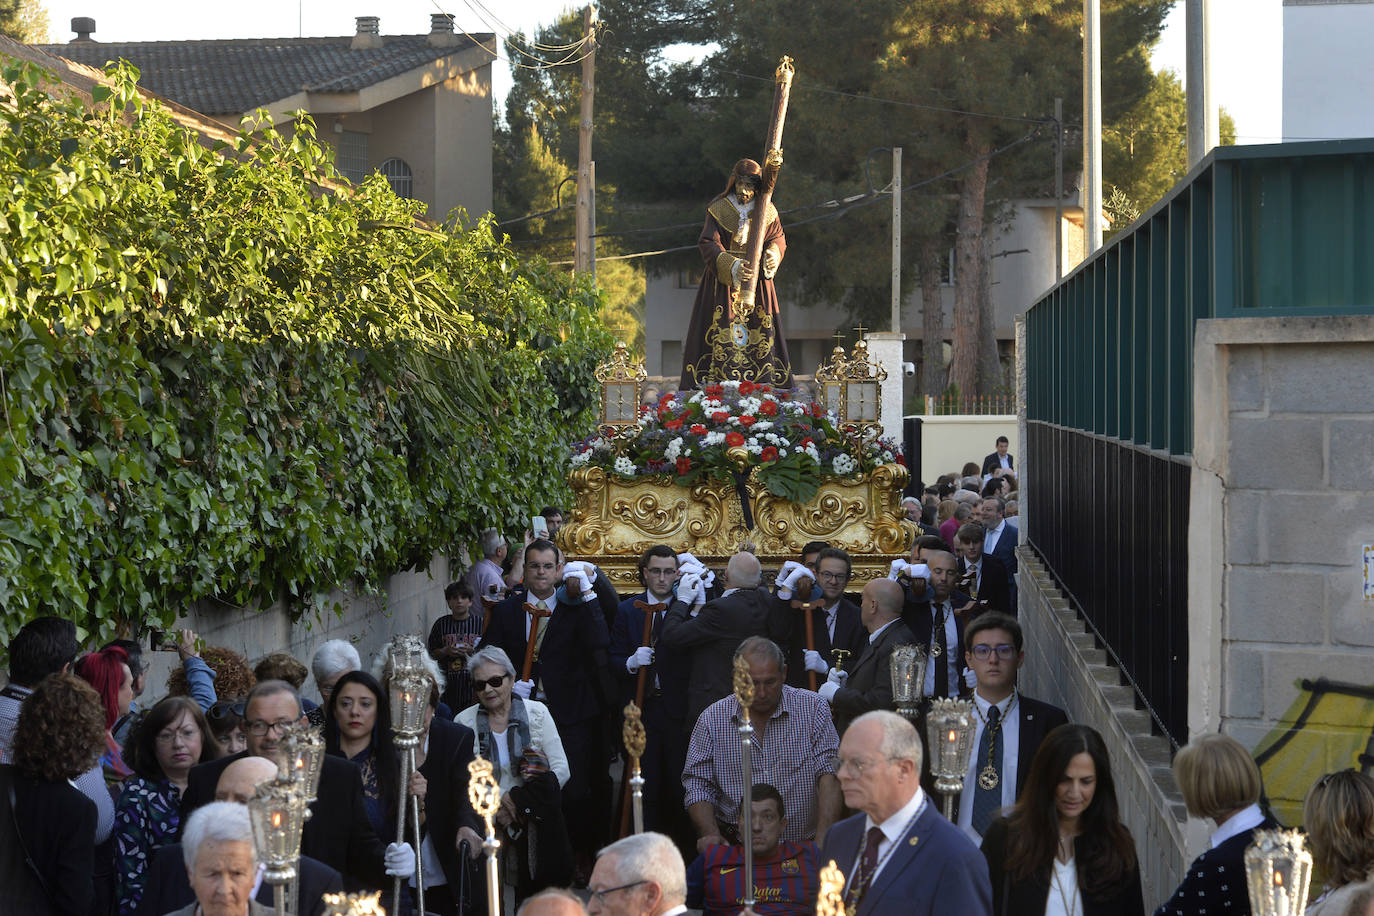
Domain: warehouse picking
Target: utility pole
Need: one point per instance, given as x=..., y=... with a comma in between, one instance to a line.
x=896, y=239
x=1058, y=190
x=1204, y=127
x=1092, y=125
x=584, y=251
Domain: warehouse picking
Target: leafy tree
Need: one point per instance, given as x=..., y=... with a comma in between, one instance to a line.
x=25, y=21
x=221, y=383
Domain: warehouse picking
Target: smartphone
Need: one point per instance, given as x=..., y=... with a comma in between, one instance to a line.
x=162, y=640
x=539, y=527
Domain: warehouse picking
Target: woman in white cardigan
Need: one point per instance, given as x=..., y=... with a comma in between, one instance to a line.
x=520, y=739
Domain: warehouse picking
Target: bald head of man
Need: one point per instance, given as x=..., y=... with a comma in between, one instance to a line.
x=743, y=571
x=553, y=902
x=240, y=779
x=880, y=604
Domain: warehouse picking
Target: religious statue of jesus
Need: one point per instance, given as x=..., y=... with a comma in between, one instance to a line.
x=728, y=339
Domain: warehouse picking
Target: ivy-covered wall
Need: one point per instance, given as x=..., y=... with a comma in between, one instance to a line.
x=221, y=380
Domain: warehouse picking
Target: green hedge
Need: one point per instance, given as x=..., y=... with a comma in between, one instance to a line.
x=220, y=382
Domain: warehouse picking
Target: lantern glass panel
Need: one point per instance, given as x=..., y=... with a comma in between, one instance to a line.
x=621, y=402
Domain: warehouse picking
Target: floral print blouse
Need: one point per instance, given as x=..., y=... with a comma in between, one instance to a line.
x=147, y=816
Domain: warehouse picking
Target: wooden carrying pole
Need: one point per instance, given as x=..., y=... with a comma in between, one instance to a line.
x=772, y=162
x=641, y=679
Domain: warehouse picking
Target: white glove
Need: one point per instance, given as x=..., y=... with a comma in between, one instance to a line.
x=970, y=678
x=687, y=588
x=708, y=580
x=400, y=860
x=690, y=566
x=577, y=580
x=918, y=571
x=574, y=566
x=837, y=677
x=686, y=559
x=641, y=657
x=897, y=568
x=794, y=579
x=828, y=691
x=786, y=570
x=815, y=663
x=771, y=260
x=523, y=689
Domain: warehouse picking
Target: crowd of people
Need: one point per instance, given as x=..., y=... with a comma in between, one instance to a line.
x=116, y=805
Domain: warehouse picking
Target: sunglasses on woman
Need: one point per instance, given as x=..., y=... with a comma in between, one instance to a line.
x=222, y=709
x=492, y=682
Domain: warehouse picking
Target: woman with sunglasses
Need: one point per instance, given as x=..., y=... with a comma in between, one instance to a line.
x=171, y=738
x=1339, y=816
x=226, y=724
x=520, y=739
x=1063, y=851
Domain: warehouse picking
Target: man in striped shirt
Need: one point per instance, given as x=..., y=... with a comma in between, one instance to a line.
x=794, y=749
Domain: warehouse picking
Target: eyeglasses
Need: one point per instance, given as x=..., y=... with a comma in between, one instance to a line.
x=222, y=709
x=983, y=651
x=260, y=727
x=601, y=895
x=541, y=567
x=857, y=766
x=492, y=682
x=833, y=577
x=169, y=736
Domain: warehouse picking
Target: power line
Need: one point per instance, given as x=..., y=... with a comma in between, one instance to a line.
x=572, y=58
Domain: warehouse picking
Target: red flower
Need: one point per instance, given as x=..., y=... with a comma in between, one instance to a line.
x=808, y=441
x=747, y=387
x=698, y=429
x=733, y=439
x=721, y=416
x=901, y=461
x=673, y=425
x=665, y=398
x=817, y=410
x=763, y=389
x=714, y=391
x=684, y=465
x=769, y=453
x=768, y=409
x=747, y=421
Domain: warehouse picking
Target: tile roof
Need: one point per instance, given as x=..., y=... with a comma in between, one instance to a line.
x=232, y=76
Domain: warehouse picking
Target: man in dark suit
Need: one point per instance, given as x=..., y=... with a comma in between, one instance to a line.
x=570, y=673
x=999, y=458
x=707, y=633
x=990, y=582
x=664, y=673
x=1010, y=724
x=835, y=623
x=338, y=832
x=938, y=624
x=899, y=853
x=1001, y=538
x=868, y=685
x=167, y=887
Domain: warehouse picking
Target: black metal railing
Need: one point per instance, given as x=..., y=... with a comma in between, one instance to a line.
x=1110, y=520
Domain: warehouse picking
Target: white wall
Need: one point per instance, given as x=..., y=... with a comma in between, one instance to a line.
x=948, y=442
x=1328, y=85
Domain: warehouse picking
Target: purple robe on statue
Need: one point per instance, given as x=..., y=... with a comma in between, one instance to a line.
x=724, y=345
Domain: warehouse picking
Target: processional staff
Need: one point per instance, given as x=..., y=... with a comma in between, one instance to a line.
x=635, y=739
x=485, y=795
x=744, y=694
x=772, y=162
x=641, y=678
x=409, y=686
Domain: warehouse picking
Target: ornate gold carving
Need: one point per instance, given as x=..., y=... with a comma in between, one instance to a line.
x=650, y=514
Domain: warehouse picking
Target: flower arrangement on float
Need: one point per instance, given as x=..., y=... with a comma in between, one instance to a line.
x=734, y=427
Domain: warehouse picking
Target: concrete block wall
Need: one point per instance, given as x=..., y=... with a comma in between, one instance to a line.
x=1065, y=667
x=1283, y=504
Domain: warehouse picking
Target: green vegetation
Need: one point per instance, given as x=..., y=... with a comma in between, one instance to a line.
x=224, y=380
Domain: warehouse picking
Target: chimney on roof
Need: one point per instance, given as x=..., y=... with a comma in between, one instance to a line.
x=369, y=34
x=441, y=31
x=83, y=26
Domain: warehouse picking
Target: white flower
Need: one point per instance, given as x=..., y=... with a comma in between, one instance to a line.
x=761, y=425
x=624, y=466
x=673, y=450
x=580, y=458
x=844, y=465
x=713, y=438
x=755, y=449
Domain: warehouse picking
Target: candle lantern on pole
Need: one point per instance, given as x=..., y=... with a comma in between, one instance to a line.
x=409, y=689
x=1278, y=873
x=353, y=904
x=744, y=695
x=277, y=813
x=622, y=382
x=908, y=669
x=484, y=792
x=949, y=728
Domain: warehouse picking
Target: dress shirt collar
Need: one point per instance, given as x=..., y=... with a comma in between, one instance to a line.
x=873, y=637
x=784, y=704
x=1001, y=524
x=1003, y=706
x=728, y=592
x=651, y=598
x=892, y=827
x=1238, y=823
x=549, y=603
x=675, y=911
x=833, y=609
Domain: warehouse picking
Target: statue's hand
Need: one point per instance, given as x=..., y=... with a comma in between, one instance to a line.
x=773, y=160
x=771, y=260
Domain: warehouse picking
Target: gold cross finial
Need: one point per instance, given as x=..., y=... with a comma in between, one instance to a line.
x=861, y=330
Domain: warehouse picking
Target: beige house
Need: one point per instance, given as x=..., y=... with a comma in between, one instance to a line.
x=417, y=108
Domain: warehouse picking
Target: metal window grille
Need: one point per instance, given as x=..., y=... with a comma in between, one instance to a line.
x=398, y=173
x=352, y=158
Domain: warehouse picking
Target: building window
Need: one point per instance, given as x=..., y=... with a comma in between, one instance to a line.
x=352, y=159
x=398, y=174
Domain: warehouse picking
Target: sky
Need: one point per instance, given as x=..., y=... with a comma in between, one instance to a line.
x=1247, y=36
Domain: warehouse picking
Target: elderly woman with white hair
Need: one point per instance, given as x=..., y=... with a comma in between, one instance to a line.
x=221, y=863
x=332, y=660
x=520, y=739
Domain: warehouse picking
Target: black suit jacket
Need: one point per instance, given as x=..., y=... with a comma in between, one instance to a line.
x=338, y=832
x=55, y=824
x=870, y=677
x=1037, y=719
x=917, y=616
x=446, y=794
x=671, y=667
x=995, y=584
x=572, y=660
x=850, y=635
x=991, y=463
x=1012, y=897
x=166, y=888
x=1216, y=880
x=710, y=639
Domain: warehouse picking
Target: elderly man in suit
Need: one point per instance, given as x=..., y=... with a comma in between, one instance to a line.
x=899, y=854
x=338, y=832
x=708, y=632
x=868, y=686
x=1010, y=724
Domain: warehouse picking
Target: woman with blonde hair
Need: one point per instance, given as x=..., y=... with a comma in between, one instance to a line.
x=1339, y=816
x=1219, y=781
